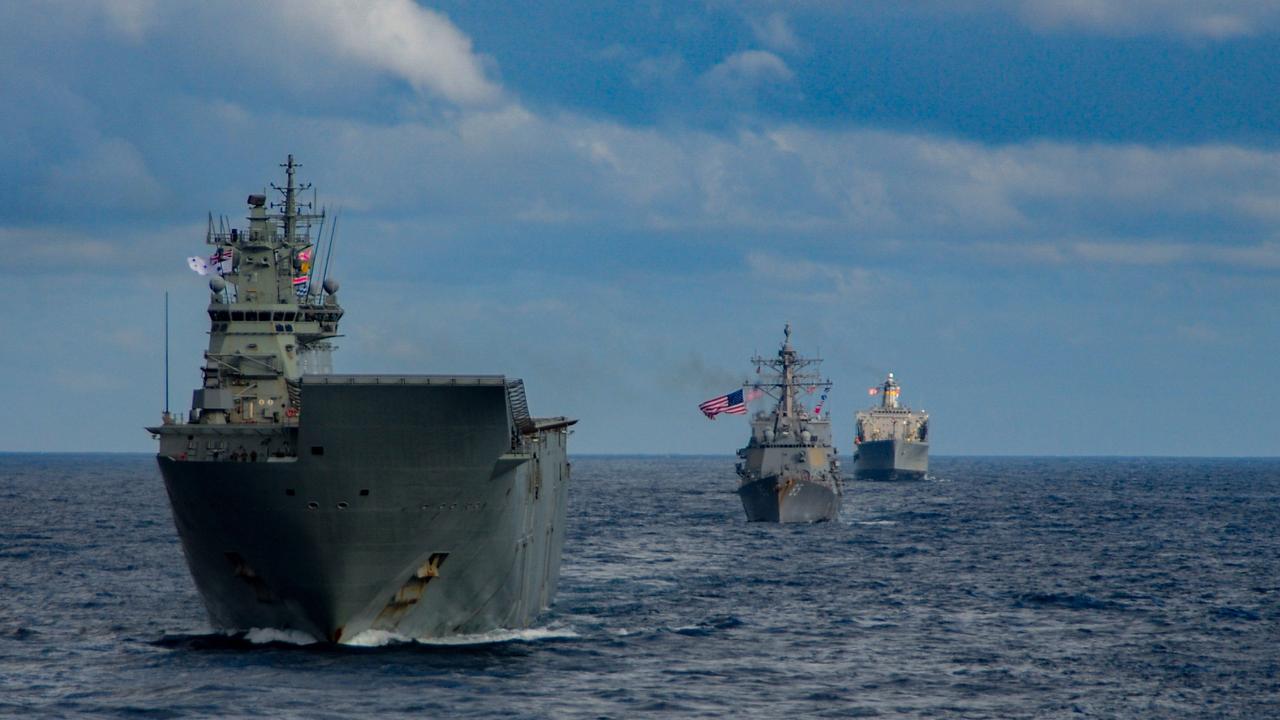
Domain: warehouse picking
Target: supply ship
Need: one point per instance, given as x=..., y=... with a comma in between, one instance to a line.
x=423, y=506
x=892, y=441
x=788, y=470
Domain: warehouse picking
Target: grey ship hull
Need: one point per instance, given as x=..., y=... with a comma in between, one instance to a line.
x=891, y=460
x=409, y=508
x=771, y=499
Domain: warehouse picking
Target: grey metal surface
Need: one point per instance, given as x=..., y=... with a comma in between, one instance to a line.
x=891, y=460
x=789, y=471
x=421, y=505
x=891, y=441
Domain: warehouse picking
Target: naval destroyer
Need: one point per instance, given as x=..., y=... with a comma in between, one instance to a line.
x=788, y=470
x=892, y=441
x=418, y=505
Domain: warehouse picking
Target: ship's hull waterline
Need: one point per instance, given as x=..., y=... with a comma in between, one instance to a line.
x=891, y=459
x=408, y=509
x=796, y=500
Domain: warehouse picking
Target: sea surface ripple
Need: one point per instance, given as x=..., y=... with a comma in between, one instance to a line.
x=999, y=587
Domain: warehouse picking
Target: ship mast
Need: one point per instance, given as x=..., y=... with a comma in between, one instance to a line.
x=788, y=357
x=789, y=367
x=889, y=393
x=290, y=200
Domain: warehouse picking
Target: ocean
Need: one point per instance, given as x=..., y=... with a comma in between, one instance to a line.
x=997, y=588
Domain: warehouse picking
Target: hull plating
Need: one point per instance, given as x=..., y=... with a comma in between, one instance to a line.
x=789, y=501
x=422, y=523
x=891, y=460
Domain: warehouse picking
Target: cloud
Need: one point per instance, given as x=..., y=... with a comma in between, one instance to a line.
x=105, y=251
x=301, y=44
x=419, y=45
x=747, y=70
x=1156, y=253
x=803, y=279
x=110, y=174
x=878, y=190
x=657, y=70
x=774, y=31
x=132, y=19
x=1200, y=19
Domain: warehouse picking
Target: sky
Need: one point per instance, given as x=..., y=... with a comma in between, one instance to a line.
x=1056, y=221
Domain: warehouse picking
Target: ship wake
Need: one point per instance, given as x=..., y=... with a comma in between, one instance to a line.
x=261, y=638
x=383, y=638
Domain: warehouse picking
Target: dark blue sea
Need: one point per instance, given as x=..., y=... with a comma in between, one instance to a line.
x=998, y=588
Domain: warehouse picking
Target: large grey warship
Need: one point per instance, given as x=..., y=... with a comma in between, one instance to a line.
x=419, y=505
x=892, y=441
x=789, y=471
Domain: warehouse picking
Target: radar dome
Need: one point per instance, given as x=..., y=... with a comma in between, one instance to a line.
x=330, y=286
x=217, y=284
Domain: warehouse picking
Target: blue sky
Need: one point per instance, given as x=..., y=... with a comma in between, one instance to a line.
x=1057, y=221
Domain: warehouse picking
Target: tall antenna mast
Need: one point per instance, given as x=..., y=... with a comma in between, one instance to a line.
x=324, y=275
x=166, y=353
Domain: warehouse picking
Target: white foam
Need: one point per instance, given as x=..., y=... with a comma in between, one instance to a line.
x=381, y=638
x=263, y=636
x=376, y=638
x=876, y=522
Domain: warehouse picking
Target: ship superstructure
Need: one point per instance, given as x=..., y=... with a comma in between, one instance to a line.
x=892, y=441
x=418, y=505
x=788, y=470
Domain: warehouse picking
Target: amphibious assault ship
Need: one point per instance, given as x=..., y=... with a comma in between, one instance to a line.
x=419, y=505
x=789, y=471
x=892, y=441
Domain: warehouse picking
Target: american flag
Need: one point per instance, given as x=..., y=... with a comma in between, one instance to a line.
x=731, y=403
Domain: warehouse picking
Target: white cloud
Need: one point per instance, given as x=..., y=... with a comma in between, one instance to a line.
x=419, y=45
x=132, y=19
x=313, y=44
x=1155, y=253
x=510, y=164
x=774, y=31
x=1202, y=19
x=748, y=69
x=802, y=279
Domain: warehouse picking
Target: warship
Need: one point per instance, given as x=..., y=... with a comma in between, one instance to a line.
x=422, y=506
x=788, y=470
x=892, y=441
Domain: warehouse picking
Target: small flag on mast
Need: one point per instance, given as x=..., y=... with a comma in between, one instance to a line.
x=221, y=261
x=873, y=391
x=733, y=403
